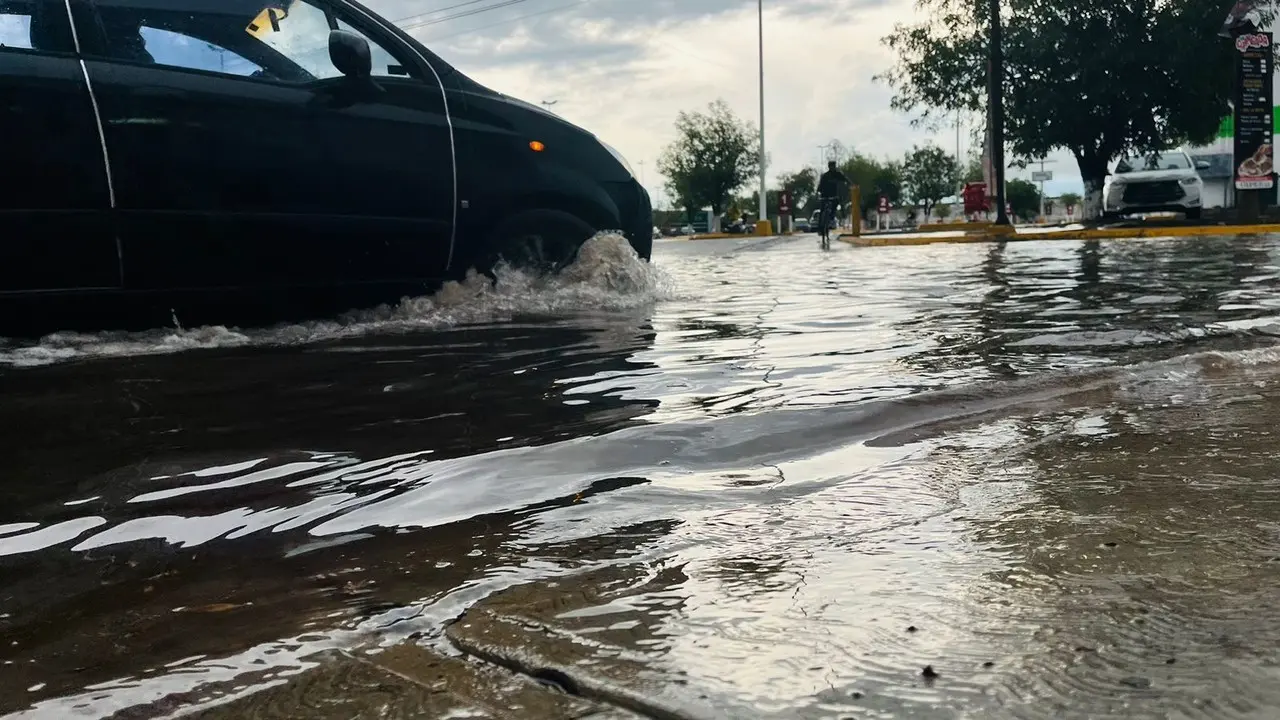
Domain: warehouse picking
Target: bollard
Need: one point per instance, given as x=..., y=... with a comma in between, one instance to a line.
x=855, y=210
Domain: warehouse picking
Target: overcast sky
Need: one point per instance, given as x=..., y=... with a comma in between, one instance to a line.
x=624, y=68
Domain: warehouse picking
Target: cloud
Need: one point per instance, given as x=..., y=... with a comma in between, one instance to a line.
x=623, y=69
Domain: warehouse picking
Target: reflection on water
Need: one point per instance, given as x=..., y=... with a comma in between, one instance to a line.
x=1021, y=451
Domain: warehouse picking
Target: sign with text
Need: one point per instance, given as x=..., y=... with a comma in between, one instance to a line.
x=1041, y=176
x=1254, y=163
x=884, y=204
x=784, y=202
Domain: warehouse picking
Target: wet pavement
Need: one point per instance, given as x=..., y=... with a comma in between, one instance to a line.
x=1003, y=481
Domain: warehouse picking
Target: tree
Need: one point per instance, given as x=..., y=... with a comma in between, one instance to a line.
x=873, y=178
x=942, y=211
x=1069, y=199
x=929, y=175
x=712, y=156
x=1023, y=197
x=802, y=184
x=973, y=170
x=1097, y=77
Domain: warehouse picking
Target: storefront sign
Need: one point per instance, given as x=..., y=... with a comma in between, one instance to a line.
x=1255, y=168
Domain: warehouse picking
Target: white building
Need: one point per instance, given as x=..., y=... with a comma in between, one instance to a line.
x=1218, y=190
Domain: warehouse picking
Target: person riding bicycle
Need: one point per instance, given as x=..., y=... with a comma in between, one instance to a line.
x=829, y=187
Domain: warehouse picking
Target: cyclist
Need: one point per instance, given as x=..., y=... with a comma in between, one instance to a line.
x=829, y=187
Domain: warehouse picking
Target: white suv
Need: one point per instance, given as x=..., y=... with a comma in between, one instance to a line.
x=1168, y=181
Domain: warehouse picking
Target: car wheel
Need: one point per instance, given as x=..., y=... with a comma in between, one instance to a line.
x=541, y=241
x=1193, y=213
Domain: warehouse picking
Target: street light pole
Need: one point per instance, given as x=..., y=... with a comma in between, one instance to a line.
x=763, y=207
x=996, y=100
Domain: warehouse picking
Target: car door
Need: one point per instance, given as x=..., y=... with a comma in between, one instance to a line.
x=243, y=145
x=55, y=199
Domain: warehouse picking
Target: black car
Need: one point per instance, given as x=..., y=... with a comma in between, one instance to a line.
x=251, y=161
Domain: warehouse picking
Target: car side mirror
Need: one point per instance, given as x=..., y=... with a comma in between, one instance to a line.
x=1203, y=165
x=350, y=54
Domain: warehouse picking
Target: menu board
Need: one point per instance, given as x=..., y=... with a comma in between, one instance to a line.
x=1255, y=168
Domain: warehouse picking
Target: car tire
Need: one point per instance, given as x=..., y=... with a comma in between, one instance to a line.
x=542, y=241
x=1193, y=213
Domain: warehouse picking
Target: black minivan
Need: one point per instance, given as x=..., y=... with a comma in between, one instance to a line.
x=253, y=161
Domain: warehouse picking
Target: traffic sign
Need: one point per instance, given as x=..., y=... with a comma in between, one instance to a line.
x=1041, y=176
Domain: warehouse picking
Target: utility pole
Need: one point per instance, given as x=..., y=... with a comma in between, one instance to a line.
x=995, y=94
x=825, y=153
x=764, y=215
x=1042, y=177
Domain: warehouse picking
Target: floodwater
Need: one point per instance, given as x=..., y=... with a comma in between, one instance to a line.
x=1045, y=470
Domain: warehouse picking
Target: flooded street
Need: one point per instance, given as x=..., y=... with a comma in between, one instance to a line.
x=1029, y=480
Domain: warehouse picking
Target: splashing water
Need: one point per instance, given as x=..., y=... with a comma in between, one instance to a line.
x=607, y=275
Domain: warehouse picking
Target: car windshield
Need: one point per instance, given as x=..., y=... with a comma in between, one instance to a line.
x=1154, y=161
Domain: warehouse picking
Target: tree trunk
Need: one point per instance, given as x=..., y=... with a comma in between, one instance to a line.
x=1093, y=170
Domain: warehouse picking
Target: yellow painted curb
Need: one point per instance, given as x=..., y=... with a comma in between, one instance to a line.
x=1090, y=234
x=950, y=227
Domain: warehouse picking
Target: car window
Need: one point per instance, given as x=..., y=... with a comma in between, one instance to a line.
x=172, y=48
x=15, y=30
x=301, y=33
x=280, y=40
x=1154, y=161
x=39, y=25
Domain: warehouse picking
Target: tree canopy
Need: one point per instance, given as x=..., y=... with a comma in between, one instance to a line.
x=929, y=174
x=1095, y=77
x=874, y=178
x=1023, y=197
x=802, y=184
x=714, y=155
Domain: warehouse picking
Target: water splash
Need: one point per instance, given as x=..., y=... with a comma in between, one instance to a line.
x=607, y=275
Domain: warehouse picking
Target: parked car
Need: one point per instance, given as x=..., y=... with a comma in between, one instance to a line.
x=1168, y=181
x=815, y=221
x=802, y=225
x=251, y=161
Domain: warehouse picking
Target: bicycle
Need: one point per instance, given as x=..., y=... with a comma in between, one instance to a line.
x=826, y=218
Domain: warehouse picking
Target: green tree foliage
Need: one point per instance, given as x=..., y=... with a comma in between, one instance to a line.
x=973, y=169
x=1024, y=198
x=942, y=212
x=929, y=174
x=1069, y=199
x=874, y=178
x=802, y=184
x=713, y=156
x=1096, y=77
